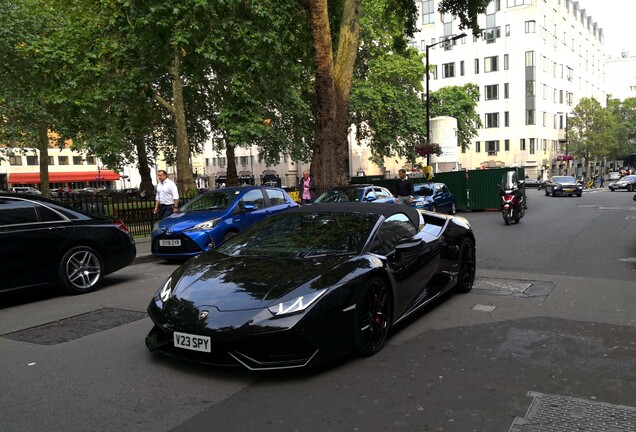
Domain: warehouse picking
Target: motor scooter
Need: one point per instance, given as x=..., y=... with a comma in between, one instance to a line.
x=512, y=198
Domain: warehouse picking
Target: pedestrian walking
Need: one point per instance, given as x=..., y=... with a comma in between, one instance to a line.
x=167, y=198
x=404, y=188
x=307, y=188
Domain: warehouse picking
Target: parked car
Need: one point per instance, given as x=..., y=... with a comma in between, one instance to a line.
x=363, y=193
x=212, y=217
x=25, y=190
x=627, y=182
x=311, y=284
x=614, y=175
x=532, y=183
x=434, y=197
x=563, y=185
x=43, y=242
x=84, y=191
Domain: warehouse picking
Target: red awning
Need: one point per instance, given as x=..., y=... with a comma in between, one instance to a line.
x=64, y=177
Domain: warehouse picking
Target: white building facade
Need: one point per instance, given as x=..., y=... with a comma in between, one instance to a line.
x=535, y=61
x=620, y=76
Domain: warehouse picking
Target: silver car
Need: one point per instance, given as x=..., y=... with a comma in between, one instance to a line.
x=626, y=182
x=26, y=190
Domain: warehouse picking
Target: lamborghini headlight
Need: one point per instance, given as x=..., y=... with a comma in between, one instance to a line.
x=207, y=225
x=295, y=305
x=165, y=291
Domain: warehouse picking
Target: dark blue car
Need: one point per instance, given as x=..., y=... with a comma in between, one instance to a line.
x=214, y=216
x=434, y=197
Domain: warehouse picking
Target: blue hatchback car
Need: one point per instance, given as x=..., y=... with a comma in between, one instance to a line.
x=212, y=217
x=434, y=197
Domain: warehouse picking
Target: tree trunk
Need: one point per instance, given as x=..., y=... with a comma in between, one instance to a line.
x=333, y=84
x=185, y=181
x=231, y=173
x=144, y=168
x=43, y=144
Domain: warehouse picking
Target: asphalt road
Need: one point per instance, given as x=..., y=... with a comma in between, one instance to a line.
x=552, y=321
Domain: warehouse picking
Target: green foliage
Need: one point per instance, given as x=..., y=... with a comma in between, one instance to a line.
x=624, y=114
x=385, y=97
x=459, y=102
x=592, y=130
x=467, y=11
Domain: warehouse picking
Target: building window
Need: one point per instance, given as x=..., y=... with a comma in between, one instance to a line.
x=477, y=147
x=15, y=160
x=461, y=68
x=530, y=58
x=492, y=147
x=51, y=160
x=505, y=61
x=530, y=117
x=492, y=92
x=513, y=3
x=32, y=160
x=532, y=146
x=221, y=162
x=491, y=64
x=506, y=119
x=77, y=160
x=243, y=160
x=522, y=144
x=62, y=160
x=434, y=72
x=492, y=120
x=476, y=66
x=448, y=70
x=428, y=12
x=531, y=26
x=506, y=145
x=507, y=29
x=90, y=160
x=506, y=90
x=545, y=119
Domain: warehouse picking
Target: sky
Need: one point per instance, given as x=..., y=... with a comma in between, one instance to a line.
x=617, y=18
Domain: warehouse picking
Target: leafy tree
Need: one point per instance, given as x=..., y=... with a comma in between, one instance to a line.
x=592, y=130
x=334, y=70
x=624, y=113
x=385, y=97
x=459, y=102
x=34, y=77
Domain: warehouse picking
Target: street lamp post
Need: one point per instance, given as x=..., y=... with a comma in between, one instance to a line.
x=428, y=102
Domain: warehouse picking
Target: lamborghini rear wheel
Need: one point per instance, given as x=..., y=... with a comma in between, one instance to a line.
x=467, y=266
x=372, y=317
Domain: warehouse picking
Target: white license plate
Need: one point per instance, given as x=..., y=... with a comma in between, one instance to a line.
x=169, y=242
x=192, y=342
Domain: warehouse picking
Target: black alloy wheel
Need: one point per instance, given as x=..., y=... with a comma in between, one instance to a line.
x=81, y=270
x=467, y=264
x=372, y=317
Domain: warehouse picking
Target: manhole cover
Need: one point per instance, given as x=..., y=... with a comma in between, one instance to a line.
x=513, y=287
x=554, y=413
x=75, y=327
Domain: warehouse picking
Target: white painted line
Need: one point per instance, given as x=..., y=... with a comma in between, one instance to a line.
x=483, y=308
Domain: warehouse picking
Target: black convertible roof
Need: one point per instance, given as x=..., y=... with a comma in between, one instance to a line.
x=385, y=210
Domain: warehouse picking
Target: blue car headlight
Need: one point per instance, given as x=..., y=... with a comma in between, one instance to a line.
x=205, y=226
x=295, y=305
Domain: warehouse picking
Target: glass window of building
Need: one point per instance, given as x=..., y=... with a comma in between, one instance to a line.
x=461, y=68
x=77, y=160
x=90, y=160
x=506, y=145
x=476, y=66
x=492, y=92
x=492, y=147
x=492, y=120
x=491, y=64
x=448, y=70
x=428, y=12
x=531, y=26
x=62, y=160
x=506, y=119
x=51, y=160
x=522, y=144
x=506, y=90
x=15, y=160
x=530, y=120
x=532, y=146
x=477, y=147
x=505, y=61
x=32, y=160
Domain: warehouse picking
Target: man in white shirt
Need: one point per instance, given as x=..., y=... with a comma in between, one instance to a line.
x=167, y=199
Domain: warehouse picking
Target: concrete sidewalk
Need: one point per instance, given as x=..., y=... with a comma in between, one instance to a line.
x=143, y=250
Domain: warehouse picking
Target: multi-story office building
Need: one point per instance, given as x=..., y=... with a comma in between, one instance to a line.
x=620, y=76
x=534, y=61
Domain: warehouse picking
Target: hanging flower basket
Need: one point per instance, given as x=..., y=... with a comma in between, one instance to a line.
x=429, y=149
